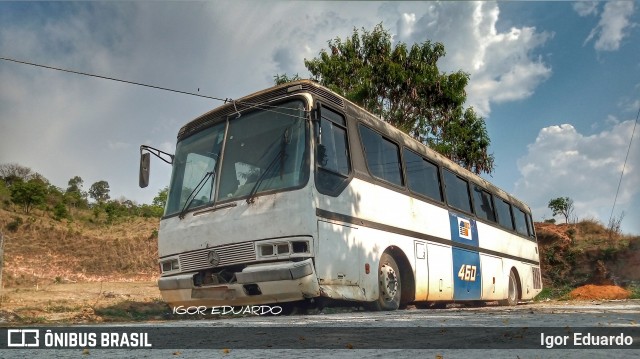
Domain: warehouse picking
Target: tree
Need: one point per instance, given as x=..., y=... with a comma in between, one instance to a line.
x=161, y=199
x=99, y=191
x=404, y=87
x=563, y=206
x=75, y=184
x=12, y=172
x=28, y=194
x=74, y=194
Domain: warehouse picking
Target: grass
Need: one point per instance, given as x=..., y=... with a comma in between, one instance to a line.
x=635, y=291
x=134, y=311
x=548, y=293
x=43, y=250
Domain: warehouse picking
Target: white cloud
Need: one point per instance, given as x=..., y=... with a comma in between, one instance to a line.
x=586, y=8
x=501, y=65
x=562, y=162
x=613, y=25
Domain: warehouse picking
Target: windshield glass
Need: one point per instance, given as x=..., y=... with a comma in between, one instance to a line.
x=265, y=151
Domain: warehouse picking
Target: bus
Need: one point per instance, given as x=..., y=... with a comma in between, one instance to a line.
x=296, y=195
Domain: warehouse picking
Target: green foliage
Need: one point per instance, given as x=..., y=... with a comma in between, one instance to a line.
x=74, y=195
x=148, y=211
x=60, y=212
x=12, y=172
x=14, y=225
x=404, y=87
x=36, y=191
x=99, y=191
x=75, y=184
x=283, y=79
x=28, y=194
x=5, y=193
x=635, y=291
x=563, y=206
x=161, y=199
x=553, y=293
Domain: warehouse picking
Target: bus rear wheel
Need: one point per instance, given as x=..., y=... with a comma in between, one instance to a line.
x=389, y=285
x=512, y=294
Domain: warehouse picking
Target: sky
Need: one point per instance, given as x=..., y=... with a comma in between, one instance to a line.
x=558, y=84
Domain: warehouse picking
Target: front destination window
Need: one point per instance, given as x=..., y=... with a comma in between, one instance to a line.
x=264, y=151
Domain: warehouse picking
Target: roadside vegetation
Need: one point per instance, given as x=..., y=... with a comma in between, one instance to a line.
x=76, y=256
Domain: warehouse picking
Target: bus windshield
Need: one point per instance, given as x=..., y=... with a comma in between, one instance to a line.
x=263, y=151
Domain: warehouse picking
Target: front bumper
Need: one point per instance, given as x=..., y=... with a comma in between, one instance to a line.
x=276, y=283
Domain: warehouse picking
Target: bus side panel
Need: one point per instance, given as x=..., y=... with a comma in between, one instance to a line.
x=467, y=272
x=492, y=278
x=467, y=275
x=440, y=274
x=338, y=254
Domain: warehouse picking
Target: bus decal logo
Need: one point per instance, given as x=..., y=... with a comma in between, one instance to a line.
x=464, y=228
x=213, y=258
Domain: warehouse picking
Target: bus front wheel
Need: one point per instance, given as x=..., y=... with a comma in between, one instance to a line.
x=389, y=285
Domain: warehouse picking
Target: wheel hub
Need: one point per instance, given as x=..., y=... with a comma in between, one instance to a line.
x=388, y=282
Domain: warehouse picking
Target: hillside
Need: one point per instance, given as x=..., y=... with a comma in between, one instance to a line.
x=573, y=255
x=40, y=250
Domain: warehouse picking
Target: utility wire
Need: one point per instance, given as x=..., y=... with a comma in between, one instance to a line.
x=111, y=78
x=264, y=107
x=624, y=165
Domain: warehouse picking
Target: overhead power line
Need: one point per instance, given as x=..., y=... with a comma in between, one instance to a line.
x=111, y=78
x=624, y=165
x=265, y=107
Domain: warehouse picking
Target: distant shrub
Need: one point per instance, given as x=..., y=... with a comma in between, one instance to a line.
x=60, y=212
x=14, y=225
x=552, y=221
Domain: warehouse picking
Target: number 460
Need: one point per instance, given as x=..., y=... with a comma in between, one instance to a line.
x=467, y=273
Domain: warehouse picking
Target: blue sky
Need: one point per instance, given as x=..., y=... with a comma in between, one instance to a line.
x=557, y=82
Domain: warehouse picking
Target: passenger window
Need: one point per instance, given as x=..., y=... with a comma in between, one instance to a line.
x=422, y=176
x=382, y=156
x=483, y=204
x=521, y=221
x=332, y=155
x=457, y=191
x=503, y=209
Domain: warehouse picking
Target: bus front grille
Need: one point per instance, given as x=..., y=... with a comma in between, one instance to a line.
x=228, y=255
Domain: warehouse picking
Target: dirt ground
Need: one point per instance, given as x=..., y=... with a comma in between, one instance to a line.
x=96, y=302
x=82, y=302
x=591, y=291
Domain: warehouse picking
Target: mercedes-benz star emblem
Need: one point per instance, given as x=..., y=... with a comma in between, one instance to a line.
x=213, y=258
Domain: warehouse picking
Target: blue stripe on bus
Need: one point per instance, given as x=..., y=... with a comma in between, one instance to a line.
x=467, y=277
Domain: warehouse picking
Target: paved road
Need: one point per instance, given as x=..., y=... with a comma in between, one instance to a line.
x=343, y=332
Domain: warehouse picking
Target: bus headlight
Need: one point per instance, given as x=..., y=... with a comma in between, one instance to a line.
x=284, y=248
x=169, y=265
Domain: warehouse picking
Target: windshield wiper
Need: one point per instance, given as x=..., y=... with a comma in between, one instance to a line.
x=281, y=155
x=195, y=192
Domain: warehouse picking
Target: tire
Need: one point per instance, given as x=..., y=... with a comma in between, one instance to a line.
x=389, y=285
x=513, y=291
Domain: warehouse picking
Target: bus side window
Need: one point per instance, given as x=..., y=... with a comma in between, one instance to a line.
x=483, y=204
x=332, y=154
x=532, y=232
x=457, y=191
x=382, y=156
x=503, y=209
x=521, y=221
x=422, y=176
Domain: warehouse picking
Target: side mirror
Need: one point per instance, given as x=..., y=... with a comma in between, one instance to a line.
x=145, y=162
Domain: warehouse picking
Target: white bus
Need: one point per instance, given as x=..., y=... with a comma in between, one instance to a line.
x=295, y=194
